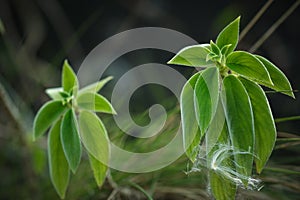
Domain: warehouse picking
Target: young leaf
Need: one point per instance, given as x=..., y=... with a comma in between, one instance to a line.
x=240, y=123
x=206, y=97
x=190, y=129
x=95, y=102
x=69, y=79
x=280, y=81
x=70, y=140
x=58, y=165
x=94, y=136
x=95, y=87
x=248, y=66
x=214, y=48
x=99, y=170
x=229, y=35
x=54, y=93
x=265, y=131
x=47, y=115
x=194, y=56
x=221, y=187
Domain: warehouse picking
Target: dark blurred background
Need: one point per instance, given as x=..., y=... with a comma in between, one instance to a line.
x=37, y=35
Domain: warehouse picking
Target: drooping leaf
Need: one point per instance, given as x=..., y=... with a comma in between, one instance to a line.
x=240, y=123
x=95, y=102
x=46, y=116
x=94, y=136
x=229, y=35
x=206, y=97
x=220, y=162
x=190, y=128
x=248, y=66
x=70, y=140
x=99, y=170
x=69, y=79
x=280, y=81
x=194, y=56
x=58, y=165
x=265, y=131
x=95, y=87
x=54, y=93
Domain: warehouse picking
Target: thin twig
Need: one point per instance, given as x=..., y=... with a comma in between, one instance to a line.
x=274, y=27
x=285, y=119
x=255, y=19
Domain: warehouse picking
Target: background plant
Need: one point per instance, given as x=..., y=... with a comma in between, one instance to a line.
x=72, y=121
x=225, y=104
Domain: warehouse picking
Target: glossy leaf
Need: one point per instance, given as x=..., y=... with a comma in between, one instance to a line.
x=190, y=128
x=70, y=140
x=69, y=79
x=240, y=123
x=95, y=102
x=46, y=116
x=248, y=66
x=265, y=131
x=95, y=87
x=94, y=136
x=229, y=35
x=58, y=165
x=194, y=56
x=54, y=93
x=99, y=170
x=206, y=97
x=280, y=81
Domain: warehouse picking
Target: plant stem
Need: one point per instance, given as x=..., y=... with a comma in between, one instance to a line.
x=285, y=119
x=255, y=19
x=274, y=27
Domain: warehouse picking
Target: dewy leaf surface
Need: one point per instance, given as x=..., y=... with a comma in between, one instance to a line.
x=229, y=35
x=248, y=66
x=58, y=165
x=194, y=56
x=70, y=140
x=46, y=116
x=265, y=131
x=240, y=123
x=94, y=136
x=206, y=97
x=280, y=81
x=190, y=128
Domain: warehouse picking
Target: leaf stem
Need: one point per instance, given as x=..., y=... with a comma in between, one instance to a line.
x=285, y=119
x=255, y=19
x=274, y=27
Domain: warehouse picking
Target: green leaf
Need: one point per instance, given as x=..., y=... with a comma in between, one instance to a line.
x=229, y=35
x=221, y=187
x=58, y=165
x=190, y=128
x=70, y=140
x=214, y=48
x=54, y=93
x=280, y=81
x=240, y=123
x=94, y=136
x=220, y=162
x=95, y=87
x=69, y=79
x=248, y=66
x=95, y=102
x=46, y=116
x=99, y=170
x=194, y=56
x=265, y=131
x=206, y=97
